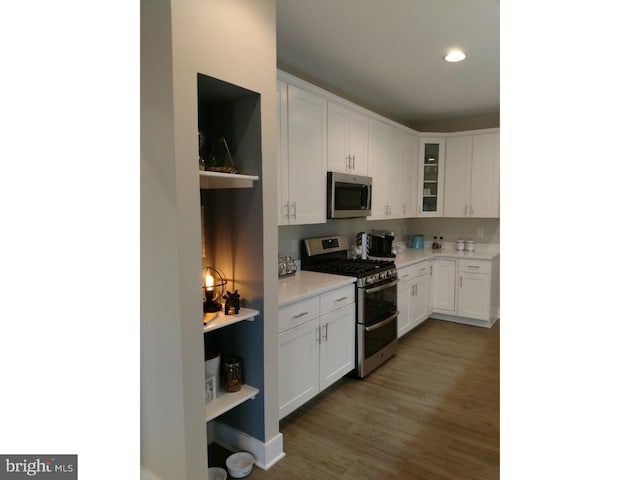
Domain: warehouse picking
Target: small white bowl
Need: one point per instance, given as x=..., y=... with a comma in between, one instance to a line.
x=239, y=464
x=217, y=473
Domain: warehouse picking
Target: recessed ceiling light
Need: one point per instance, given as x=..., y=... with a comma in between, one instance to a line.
x=455, y=56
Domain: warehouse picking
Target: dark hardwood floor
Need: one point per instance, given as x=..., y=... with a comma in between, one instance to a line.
x=431, y=412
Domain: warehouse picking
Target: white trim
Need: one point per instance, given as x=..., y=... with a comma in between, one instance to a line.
x=266, y=454
x=464, y=320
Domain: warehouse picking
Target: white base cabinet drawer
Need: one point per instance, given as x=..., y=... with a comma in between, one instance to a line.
x=295, y=314
x=337, y=298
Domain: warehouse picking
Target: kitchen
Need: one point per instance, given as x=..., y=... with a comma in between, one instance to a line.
x=568, y=352
x=247, y=246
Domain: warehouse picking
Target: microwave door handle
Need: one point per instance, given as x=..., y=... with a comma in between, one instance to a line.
x=365, y=196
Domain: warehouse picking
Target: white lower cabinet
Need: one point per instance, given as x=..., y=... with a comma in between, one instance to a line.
x=316, y=346
x=474, y=289
x=414, y=295
x=467, y=291
x=444, y=285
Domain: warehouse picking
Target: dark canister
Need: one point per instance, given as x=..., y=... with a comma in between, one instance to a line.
x=232, y=374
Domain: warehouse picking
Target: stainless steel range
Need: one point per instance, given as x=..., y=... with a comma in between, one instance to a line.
x=376, y=297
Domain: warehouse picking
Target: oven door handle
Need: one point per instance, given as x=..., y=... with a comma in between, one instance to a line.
x=381, y=287
x=382, y=323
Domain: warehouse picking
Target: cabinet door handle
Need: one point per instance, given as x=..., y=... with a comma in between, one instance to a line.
x=300, y=315
x=326, y=331
x=348, y=162
x=461, y=280
x=354, y=162
x=318, y=337
x=295, y=211
x=340, y=299
x=286, y=206
x=473, y=266
x=431, y=270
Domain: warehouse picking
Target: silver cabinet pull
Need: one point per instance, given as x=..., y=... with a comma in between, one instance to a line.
x=473, y=266
x=461, y=280
x=300, y=315
x=326, y=331
x=295, y=210
x=318, y=337
x=340, y=299
x=354, y=162
x=286, y=205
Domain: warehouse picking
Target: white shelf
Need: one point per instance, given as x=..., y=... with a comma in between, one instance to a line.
x=212, y=180
x=222, y=320
x=226, y=401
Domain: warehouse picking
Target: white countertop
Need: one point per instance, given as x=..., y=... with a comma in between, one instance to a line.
x=306, y=284
x=413, y=255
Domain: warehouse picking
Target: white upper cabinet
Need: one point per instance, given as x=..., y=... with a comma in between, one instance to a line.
x=302, y=156
x=431, y=162
x=472, y=176
x=409, y=159
x=348, y=133
x=386, y=169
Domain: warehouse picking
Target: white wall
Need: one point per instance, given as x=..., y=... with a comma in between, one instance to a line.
x=233, y=40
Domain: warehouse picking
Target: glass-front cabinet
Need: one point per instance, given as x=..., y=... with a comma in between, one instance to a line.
x=431, y=177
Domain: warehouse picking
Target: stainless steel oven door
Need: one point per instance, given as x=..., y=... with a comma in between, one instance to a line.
x=377, y=329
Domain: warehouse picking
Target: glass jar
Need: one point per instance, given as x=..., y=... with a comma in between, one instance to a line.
x=232, y=375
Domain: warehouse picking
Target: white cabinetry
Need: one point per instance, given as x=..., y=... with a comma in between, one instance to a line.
x=409, y=159
x=316, y=346
x=431, y=177
x=467, y=291
x=348, y=133
x=444, y=285
x=474, y=289
x=385, y=150
x=414, y=294
x=472, y=176
x=302, y=156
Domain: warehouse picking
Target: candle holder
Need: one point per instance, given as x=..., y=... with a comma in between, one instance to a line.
x=214, y=283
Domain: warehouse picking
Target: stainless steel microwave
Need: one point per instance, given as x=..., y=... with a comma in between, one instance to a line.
x=348, y=196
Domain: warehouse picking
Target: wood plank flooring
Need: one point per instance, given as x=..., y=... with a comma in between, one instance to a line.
x=431, y=412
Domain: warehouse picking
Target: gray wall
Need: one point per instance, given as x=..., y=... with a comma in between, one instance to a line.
x=450, y=228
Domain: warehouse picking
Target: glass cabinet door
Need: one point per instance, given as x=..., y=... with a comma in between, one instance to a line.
x=431, y=177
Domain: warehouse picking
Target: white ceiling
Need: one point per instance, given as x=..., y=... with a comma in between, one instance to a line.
x=387, y=55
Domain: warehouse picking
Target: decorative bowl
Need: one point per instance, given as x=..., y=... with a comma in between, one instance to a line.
x=217, y=473
x=240, y=464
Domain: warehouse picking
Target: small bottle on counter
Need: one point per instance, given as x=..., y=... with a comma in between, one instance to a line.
x=470, y=246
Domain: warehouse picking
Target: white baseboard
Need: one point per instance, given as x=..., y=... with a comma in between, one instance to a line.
x=464, y=320
x=266, y=454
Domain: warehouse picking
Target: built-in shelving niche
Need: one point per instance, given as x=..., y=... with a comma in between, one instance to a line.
x=232, y=220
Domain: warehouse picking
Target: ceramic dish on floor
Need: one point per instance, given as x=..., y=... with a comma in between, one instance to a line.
x=239, y=464
x=217, y=473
